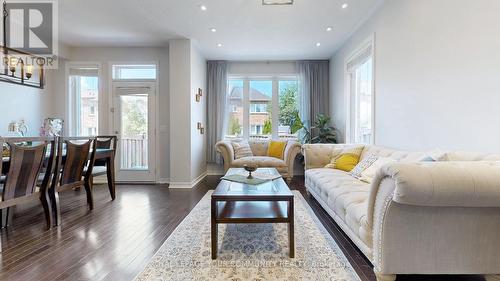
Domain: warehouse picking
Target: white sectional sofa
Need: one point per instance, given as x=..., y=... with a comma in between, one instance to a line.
x=415, y=217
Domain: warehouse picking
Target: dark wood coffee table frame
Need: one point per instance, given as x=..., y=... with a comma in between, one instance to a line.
x=248, y=207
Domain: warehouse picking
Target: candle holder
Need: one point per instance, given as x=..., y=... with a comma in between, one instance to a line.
x=250, y=168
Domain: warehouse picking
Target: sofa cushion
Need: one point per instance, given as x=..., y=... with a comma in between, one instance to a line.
x=259, y=147
x=398, y=155
x=241, y=149
x=276, y=149
x=345, y=195
x=261, y=161
x=346, y=160
x=363, y=165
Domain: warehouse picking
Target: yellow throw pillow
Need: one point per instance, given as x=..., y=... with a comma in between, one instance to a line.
x=335, y=154
x=346, y=160
x=276, y=149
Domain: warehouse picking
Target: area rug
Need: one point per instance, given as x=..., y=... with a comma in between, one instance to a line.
x=249, y=251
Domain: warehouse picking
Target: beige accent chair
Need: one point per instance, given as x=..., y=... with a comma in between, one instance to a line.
x=415, y=217
x=260, y=158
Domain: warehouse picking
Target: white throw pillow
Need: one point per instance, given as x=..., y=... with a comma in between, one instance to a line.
x=368, y=174
x=241, y=149
x=363, y=165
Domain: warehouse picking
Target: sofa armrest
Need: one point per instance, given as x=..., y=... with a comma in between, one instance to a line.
x=417, y=212
x=444, y=184
x=291, y=150
x=225, y=148
x=318, y=155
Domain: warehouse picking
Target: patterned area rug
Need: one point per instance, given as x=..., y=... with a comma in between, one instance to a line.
x=249, y=251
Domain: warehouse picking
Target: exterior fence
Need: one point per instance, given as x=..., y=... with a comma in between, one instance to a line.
x=134, y=152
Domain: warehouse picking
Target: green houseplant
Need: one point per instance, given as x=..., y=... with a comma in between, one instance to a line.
x=320, y=132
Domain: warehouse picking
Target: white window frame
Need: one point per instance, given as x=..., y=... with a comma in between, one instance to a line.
x=70, y=111
x=112, y=65
x=275, y=99
x=367, y=43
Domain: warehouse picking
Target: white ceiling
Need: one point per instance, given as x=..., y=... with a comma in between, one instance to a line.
x=247, y=30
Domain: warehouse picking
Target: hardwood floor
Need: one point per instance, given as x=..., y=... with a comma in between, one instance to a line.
x=117, y=239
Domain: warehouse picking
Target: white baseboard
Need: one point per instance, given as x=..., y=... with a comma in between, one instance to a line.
x=163, y=180
x=191, y=184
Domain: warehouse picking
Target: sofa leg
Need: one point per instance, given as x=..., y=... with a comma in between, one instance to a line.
x=385, y=277
x=492, y=277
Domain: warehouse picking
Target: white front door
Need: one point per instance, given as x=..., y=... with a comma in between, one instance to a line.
x=134, y=123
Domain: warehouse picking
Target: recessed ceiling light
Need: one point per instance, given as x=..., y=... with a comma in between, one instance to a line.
x=213, y=29
x=219, y=45
x=203, y=7
x=277, y=2
x=345, y=5
x=329, y=28
x=318, y=44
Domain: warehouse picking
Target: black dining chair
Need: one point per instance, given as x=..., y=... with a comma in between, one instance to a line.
x=30, y=168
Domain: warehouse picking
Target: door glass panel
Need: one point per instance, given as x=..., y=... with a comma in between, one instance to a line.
x=134, y=132
x=261, y=96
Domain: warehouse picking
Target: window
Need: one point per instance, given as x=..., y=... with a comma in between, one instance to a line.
x=360, y=78
x=261, y=99
x=289, y=120
x=253, y=102
x=235, y=120
x=84, y=96
x=258, y=107
x=256, y=129
x=134, y=72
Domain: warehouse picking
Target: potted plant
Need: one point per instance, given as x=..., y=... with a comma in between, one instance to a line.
x=320, y=132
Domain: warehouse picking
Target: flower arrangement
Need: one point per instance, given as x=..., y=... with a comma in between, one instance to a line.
x=52, y=127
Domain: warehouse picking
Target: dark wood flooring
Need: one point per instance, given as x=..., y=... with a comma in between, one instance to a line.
x=117, y=239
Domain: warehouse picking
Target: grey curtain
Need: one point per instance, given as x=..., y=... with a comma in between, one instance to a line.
x=216, y=107
x=314, y=87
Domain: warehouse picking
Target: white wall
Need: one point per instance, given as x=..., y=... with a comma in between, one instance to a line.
x=30, y=104
x=107, y=56
x=198, y=114
x=180, y=115
x=436, y=74
x=24, y=103
x=259, y=68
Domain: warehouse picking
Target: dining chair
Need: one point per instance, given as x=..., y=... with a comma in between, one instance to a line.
x=104, y=163
x=73, y=168
x=29, y=172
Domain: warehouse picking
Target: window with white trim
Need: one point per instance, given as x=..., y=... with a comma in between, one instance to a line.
x=262, y=107
x=134, y=71
x=361, y=96
x=84, y=97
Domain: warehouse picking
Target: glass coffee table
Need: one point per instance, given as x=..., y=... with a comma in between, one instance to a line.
x=270, y=202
